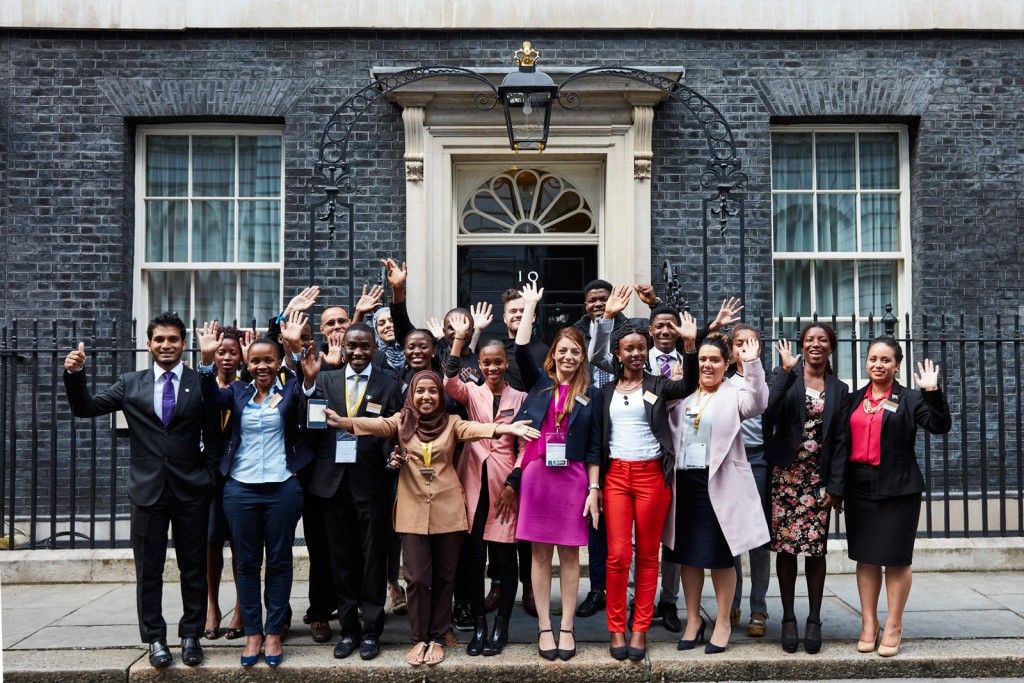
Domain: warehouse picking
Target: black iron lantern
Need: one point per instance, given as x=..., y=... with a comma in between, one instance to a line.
x=526, y=96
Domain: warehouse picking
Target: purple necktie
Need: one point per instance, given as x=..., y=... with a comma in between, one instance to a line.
x=664, y=364
x=167, y=402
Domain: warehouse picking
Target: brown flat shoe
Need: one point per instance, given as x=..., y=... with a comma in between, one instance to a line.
x=493, y=597
x=756, y=627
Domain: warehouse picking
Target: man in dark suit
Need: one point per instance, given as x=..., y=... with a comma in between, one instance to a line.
x=170, y=477
x=349, y=475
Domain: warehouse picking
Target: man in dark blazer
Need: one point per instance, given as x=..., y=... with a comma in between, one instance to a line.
x=170, y=477
x=349, y=475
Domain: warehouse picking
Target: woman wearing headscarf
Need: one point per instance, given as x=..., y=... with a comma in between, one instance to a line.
x=430, y=509
x=384, y=333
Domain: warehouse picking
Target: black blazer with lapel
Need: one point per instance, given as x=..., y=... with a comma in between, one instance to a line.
x=783, y=425
x=160, y=455
x=583, y=434
x=657, y=414
x=369, y=478
x=898, y=470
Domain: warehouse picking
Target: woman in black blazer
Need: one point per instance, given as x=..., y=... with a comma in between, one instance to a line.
x=884, y=484
x=805, y=442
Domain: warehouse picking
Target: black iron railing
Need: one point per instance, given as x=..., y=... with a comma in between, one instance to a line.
x=62, y=479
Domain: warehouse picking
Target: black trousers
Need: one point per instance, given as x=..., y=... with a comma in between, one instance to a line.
x=188, y=522
x=322, y=599
x=357, y=541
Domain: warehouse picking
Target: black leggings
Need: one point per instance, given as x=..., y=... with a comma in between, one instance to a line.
x=504, y=560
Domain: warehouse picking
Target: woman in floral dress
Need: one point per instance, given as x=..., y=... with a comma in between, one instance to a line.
x=806, y=442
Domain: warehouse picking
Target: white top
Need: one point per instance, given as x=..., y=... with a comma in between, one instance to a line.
x=631, y=436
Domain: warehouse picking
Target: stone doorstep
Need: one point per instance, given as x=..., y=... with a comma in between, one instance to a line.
x=746, y=661
x=117, y=566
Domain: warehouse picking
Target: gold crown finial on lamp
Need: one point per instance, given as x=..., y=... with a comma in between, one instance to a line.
x=527, y=56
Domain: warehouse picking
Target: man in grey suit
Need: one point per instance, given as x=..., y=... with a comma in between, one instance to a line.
x=170, y=477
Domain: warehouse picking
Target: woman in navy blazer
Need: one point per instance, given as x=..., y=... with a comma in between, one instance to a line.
x=262, y=495
x=884, y=485
x=560, y=471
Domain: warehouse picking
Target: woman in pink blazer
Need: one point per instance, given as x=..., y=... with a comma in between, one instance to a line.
x=484, y=469
x=718, y=512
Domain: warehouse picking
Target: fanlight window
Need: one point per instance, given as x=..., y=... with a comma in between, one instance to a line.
x=527, y=202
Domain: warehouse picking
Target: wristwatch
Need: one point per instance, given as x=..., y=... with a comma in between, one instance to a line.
x=593, y=487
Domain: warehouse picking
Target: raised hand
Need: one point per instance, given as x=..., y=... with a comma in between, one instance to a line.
x=396, y=274
x=531, y=294
x=75, y=360
x=435, y=327
x=460, y=324
x=398, y=458
x=750, y=350
x=927, y=376
x=291, y=331
x=786, y=357
x=617, y=301
x=248, y=337
x=210, y=338
x=646, y=294
x=369, y=300
x=727, y=314
x=303, y=301
x=335, y=350
x=310, y=364
x=482, y=315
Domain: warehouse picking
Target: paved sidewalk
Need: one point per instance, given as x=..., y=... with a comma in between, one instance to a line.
x=957, y=624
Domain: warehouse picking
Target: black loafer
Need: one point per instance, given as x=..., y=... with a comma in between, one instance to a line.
x=345, y=647
x=159, y=654
x=369, y=648
x=591, y=604
x=462, y=618
x=669, y=617
x=191, y=651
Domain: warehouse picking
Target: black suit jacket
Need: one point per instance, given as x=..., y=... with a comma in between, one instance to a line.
x=783, y=425
x=370, y=480
x=170, y=455
x=898, y=471
x=657, y=413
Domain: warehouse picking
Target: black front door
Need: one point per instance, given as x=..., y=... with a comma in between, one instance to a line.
x=486, y=272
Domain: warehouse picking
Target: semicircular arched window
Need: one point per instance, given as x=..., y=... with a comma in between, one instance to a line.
x=527, y=202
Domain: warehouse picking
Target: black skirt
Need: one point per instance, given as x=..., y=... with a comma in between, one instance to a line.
x=699, y=538
x=880, y=530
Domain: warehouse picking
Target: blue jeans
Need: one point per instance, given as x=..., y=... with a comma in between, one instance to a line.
x=760, y=560
x=263, y=516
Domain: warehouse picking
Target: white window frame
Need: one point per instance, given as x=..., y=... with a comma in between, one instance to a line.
x=902, y=256
x=140, y=304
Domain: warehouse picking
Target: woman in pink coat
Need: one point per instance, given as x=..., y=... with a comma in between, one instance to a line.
x=483, y=469
x=718, y=512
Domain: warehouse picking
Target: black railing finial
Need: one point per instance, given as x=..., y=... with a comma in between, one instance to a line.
x=889, y=321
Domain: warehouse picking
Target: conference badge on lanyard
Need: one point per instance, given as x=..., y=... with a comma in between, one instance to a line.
x=554, y=444
x=427, y=471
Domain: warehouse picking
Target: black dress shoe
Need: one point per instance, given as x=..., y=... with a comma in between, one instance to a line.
x=812, y=637
x=191, y=651
x=345, y=647
x=462, y=618
x=591, y=604
x=369, y=648
x=669, y=617
x=476, y=643
x=159, y=655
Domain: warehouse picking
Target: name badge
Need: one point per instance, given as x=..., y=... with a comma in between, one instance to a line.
x=691, y=410
x=345, y=450
x=583, y=401
x=508, y=412
x=272, y=401
x=650, y=397
x=373, y=408
x=695, y=456
x=890, y=405
x=554, y=451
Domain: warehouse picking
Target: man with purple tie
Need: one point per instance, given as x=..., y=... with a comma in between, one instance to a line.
x=170, y=477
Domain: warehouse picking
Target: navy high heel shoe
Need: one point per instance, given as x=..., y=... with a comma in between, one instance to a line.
x=684, y=644
x=273, y=661
x=248, y=661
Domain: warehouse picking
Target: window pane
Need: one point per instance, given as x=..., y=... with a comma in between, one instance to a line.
x=260, y=295
x=167, y=231
x=792, y=288
x=259, y=231
x=836, y=161
x=837, y=222
x=167, y=165
x=791, y=161
x=169, y=291
x=259, y=166
x=880, y=222
x=215, y=296
x=877, y=287
x=212, y=231
x=213, y=166
x=879, y=161
x=793, y=217
x=833, y=287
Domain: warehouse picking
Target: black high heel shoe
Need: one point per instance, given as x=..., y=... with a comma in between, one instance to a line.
x=637, y=654
x=790, y=638
x=619, y=653
x=812, y=636
x=684, y=644
x=566, y=655
x=550, y=655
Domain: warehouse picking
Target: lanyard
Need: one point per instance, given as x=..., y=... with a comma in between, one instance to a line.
x=560, y=412
x=701, y=409
x=350, y=406
x=428, y=449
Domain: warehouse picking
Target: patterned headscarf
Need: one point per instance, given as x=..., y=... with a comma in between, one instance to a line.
x=393, y=350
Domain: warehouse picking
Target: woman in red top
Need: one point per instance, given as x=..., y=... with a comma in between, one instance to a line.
x=884, y=485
